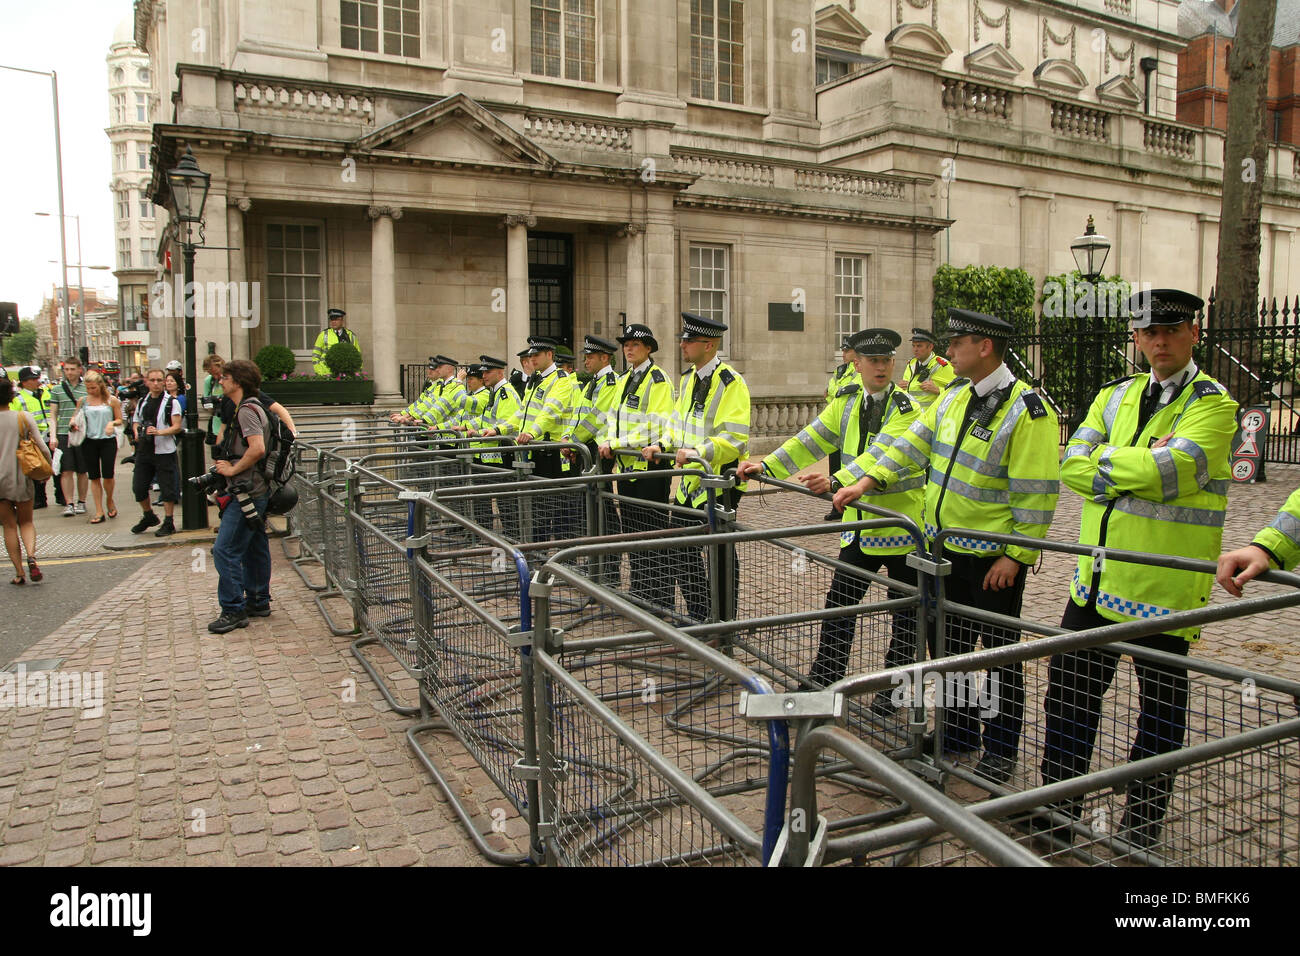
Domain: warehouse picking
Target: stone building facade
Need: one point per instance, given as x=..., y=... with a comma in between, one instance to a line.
x=455, y=173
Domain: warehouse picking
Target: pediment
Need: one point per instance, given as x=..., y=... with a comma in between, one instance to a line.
x=459, y=130
x=1060, y=75
x=836, y=28
x=1120, y=91
x=917, y=43
x=994, y=60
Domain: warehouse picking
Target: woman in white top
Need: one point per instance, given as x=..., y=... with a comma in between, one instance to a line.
x=99, y=450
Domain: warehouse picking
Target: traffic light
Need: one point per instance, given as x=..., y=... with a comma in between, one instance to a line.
x=9, y=318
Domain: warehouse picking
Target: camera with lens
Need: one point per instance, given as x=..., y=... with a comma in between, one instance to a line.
x=209, y=483
x=222, y=490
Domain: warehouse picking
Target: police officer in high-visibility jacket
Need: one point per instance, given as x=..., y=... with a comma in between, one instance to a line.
x=502, y=405
x=592, y=406
x=862, y=416
x=330, y=337
x=542, y=417
x=434, y=376
x=845, y=374
x=1278, y=544
x=990, y=448
x=927, y=374
x=443, y=404
x=640, y=417
x=31, y=398
x=1151, y=464
x=712, y=422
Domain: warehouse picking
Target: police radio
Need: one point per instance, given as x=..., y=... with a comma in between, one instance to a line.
x=922, y=374
x=980, y=420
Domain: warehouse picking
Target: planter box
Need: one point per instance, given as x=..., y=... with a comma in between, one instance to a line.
x=288, y=392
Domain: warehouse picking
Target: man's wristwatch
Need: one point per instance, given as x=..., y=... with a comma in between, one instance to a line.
x=835, y=484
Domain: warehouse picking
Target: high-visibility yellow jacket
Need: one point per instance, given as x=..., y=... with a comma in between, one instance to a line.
x=641, y=414
x=423, y=401
x=444, y=405
x=502, y=404
x=325, y=341
x=1002, y=477
x=941, y=374
x=843, y=375
x=717, y=427
x=1166, y=500
x=839, y=427
x=469, y=408
x=543, y=413
x=37, y=404
x=1282, y=537
x=591, y=406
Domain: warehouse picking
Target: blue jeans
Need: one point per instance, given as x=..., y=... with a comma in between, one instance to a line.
x=243, y=558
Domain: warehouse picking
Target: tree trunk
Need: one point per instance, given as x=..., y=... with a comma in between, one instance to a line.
x=1245, y=157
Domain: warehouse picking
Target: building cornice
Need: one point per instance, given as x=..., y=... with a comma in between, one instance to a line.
x=793, y=210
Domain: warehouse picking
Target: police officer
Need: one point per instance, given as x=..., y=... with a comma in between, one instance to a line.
x=519, y=377
x=432, y=381
x=541, y=417
x=443, y=384
x=990, y=448
x=843, y=375
x=640, y=416
x=712, y=423
x=444, y=406
x=329, y=337
x=31, y=398
x=1151, y=464
x=502, y=404
x=927, y=374
x=1279, y=543
x=856, y=415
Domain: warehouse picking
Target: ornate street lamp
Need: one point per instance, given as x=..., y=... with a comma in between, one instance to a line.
x=1090, y=251
x=187, y=191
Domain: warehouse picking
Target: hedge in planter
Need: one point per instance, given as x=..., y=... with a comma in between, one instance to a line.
x=346, y=386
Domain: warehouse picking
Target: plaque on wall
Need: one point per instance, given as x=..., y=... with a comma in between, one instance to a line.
x=784, y=317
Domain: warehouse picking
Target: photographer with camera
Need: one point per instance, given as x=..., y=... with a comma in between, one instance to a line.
x=241, y=553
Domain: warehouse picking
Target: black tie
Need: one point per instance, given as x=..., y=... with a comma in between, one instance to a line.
x=1150, y=404
x=701, y=390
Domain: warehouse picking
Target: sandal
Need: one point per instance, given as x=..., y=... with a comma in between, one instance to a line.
x=18, y=580
x=34, y=570
x=112, y=513
x=98, y=519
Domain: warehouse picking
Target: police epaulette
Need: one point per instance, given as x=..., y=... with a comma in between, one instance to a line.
x=840, y=371
x=726, y=375
x=942, y=360
x=956, y=382
x=848, y=390
x=561, y=373
x=1033, y=404
x=657, y=376
x=1121, y=379
x=1206, y=387
x=902, y=401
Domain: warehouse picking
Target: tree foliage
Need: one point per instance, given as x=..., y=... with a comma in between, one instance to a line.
x=20, y=348
x=1005, y=292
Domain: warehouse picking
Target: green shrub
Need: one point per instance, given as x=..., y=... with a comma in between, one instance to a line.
x=343, y=359
x=1007, y=293
x=274, y=361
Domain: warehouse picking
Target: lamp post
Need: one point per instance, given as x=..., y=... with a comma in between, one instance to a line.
x=1090, y=251
x=187, y=191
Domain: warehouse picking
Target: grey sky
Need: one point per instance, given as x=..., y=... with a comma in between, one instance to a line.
x=70, y=37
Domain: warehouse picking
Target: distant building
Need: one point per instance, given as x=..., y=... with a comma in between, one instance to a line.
x=132, y=108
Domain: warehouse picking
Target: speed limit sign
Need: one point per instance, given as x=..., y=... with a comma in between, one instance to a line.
x=1248, y=446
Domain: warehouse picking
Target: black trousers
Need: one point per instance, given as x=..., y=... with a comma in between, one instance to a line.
x=1078, y=682
x=686, y=567
x=608, y=568
x=847, y=589
x=1005, y=687
x=649, y=568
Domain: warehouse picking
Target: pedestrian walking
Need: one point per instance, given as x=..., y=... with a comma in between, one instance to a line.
x=34, y=398
x=1151, y=464
x=103, y=413
x=989, y=448
x=16, y=489
x=157, y=423
x=64, y=399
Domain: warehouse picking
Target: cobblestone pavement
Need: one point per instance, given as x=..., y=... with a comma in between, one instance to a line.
x=271, y=746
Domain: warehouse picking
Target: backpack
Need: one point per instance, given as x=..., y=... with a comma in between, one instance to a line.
x=278, y=465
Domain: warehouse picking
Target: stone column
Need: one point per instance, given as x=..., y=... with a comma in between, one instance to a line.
x=1207, y=245
x=383, y=303
x=661, y=287
x=1281, y=271
x=1127, y=260
x=237, y=272
x=1034, y=234
x=634, y=304
x=517, y=324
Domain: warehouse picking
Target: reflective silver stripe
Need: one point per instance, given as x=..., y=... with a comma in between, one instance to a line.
x=849, y=407
x=1112, y=406
x=999, y=444
x=1034, y=486
x=1198, y=455
x=1075, y=450
x=857, y=471
x=1173, y=514
x=1168, y=468
x=786, y=461
x=898, y=468
x=1288, y=525
x=810, y=446
x=1031, y=516
x=737, y=428
x=815, y=425
x=990, y=468
x=920, y=458
x=1090, y=435
x=1217, y=486
x=997, y=496
x=1101, y=482
x=706, y=450
x=907, y=484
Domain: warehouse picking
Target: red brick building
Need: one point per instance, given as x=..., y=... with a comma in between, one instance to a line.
x=1209, y=26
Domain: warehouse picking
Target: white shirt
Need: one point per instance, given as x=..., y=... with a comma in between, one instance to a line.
x=1000, y=377
x=704, y=371
x=1178, y=379
x=546, y=371
x=642, y=367
x=606, y=372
